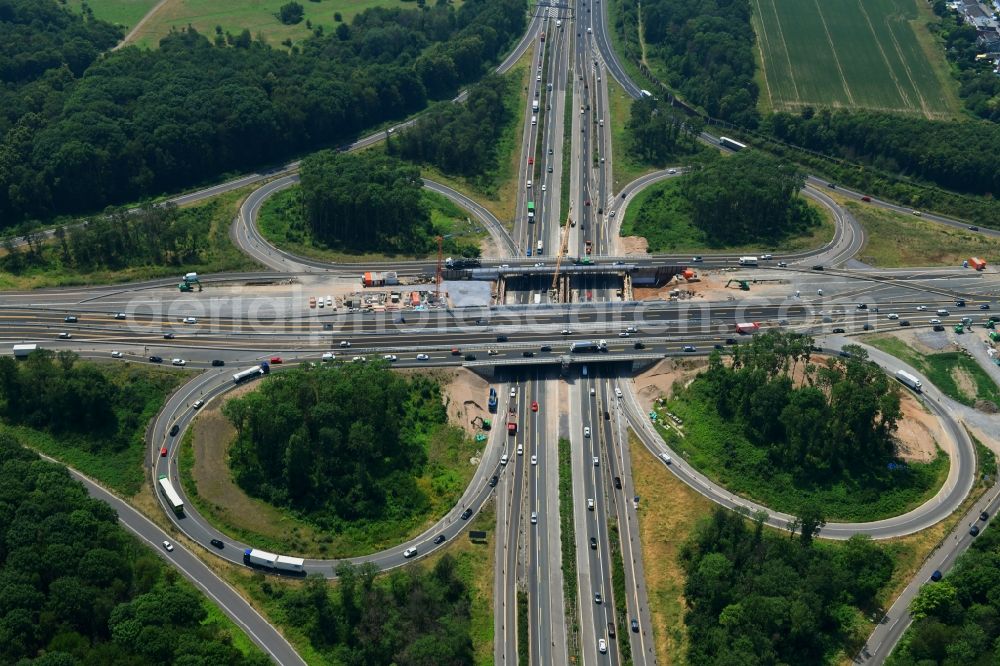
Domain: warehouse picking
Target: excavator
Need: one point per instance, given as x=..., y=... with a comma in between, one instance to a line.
x=744, y=285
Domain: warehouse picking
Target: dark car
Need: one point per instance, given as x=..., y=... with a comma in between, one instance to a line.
x=501, y=338
x=546, y=348
x=973, y=228
x=470, y=357
x=818, y=267
x=439, y=539
x=689, y=348
x=984, y=306
x=974, y=530
x=466, y=514
x=839, y=330
x=174, y=430
x=936, y=576
x=832, y=186
x=71, y=319
x=904, y=322
x=985, y=515
x=635, y=626
x=168, y=336
x=862, y=306
x=959, y=302
x=867, y=327
x=607, y=415
x=730, y=341
x=593, y=543
x=618, y=482
x=155, y=359
x=639, y=345
x=218, y=363
x=218, y=543
x=493, y=481
x=721, y=347
x=527, y=354
x=938, y=328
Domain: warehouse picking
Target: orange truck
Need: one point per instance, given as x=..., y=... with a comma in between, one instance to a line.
x=977, y=263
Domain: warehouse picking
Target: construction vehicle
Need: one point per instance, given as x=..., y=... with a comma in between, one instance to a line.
x=190, y=279
x=994, y=336
x=688, y=275
x=977, y=263
x=485, y=424
x=744, y=285
x=960, y=328
x=563, y=242
x=588, y=247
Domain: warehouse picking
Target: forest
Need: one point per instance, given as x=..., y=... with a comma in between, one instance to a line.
x=76, y=589
x=366, y=202
x=341, y=444
x=410, y=617
x=658, y=132
x=136, y=123
x=461, y=139
x=757, y=597
x=957, y=620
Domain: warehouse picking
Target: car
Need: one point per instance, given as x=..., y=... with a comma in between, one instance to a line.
x=312, y=302
x=904, y=322
x=168, y=546
x=550, y=168
x=190, y=320
x=696, y=260
x=960, y=302
x=545, y=348
x=329, y=301
x=597, y=461
x=470, y=357
x=531, y=160
x=466, y=514
x=520, y=449
x=345, y=343
x=276, y=360
x=120, y=315
x=65, y=336
x=973, y=228
x=832, y=186
x=550, y=151
x=423, y=357
x=455, y=351
x=70, y=319
x=818, y=267
x=892, y=315
x=513, y=391
x=543, y=187
x=217, y=543
x=534, y=405
x=866, y=198
x=690, y=348
x=974, y=530
x=359, y=359
x=666, y=458
x=586, y=431
x=597, y=597
x=593, y=543
x=766, y=257
x=392, y=358
x=867, y=327
x=939, y=328
x=916, y=212
x=503, y=459
x=534, y=459
x=528, y=185
x=639, y=345
x=730, y=341
x=623, y=334
x=534, y=517
x=117, y=354
x=590, y=504
x=319, y=300
x=782, y=264
x=602, y=645
x=618, y=482
x=934, y=321
x=936, y=576
x=168, y=336
x=178, y=361
x=587, y=202
x=862, y=306
x=635, y=625
x=494, y=480
x=501, y=338
x=985, y=515
x=163, y=452
x=439, y=539
x=174, y=430
x=590, y=31
x=527, y=354
x=593, y=391
x=671, y=171
x=409, y=552
x=156, y=359
x=607, y=415
x=839, y=330
x=328, y=356
x=218, y=363
x=984, y=306
x=197, y=404
x=566, y=331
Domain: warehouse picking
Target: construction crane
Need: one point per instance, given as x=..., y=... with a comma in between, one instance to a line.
x=438, y=275
x=564, y=241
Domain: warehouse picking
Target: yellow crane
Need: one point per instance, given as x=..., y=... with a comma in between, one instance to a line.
x=559, y=255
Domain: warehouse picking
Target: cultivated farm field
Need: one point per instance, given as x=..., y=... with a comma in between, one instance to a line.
x=866, y=54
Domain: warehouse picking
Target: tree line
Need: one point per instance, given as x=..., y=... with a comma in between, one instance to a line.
x=78, y=590
x=957, y=620
x=757, y=597
x=842, y=418
x=342, y=443
x=78, y=402
x=461, y=139
x=140, y=122
x=658, y=132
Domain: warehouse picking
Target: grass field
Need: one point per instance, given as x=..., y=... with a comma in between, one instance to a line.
x=125, y=13
x=870, y=54
x=895, y=240
x=257, y=16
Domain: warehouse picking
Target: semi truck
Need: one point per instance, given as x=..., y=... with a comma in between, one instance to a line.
x=251, y=373
x=731, y=144
x=588, y=346
x=462, y=262
x=748, y=261
x=747, y=328
x=908, y=379
x=262, y=558
x=22, y=351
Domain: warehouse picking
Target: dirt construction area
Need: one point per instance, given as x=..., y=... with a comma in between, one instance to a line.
x=920, y=433
x=715, y=286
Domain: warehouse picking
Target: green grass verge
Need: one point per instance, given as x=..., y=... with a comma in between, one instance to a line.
x=282, y=223
x=624, y=166
x=567, y=150
x=522, y=627
x=660, y=215
x=618, y=590
x=213, y=219
x=719, y=450
x=568, y=535
x=897, y=240
x=941, y=370
x=125, y=13
x=121, y=470
x=219, y=622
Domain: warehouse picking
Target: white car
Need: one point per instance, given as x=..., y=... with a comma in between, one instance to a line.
x=319, y=301
x=513, y=391
x=671, y=171
x=593, y=391
x=590, y=31
x=65, y=336
x=329, y=301
x=618, y=392
x=602, y=645
x=534, y=517
x=529, y=185
x=359, y=359
x=327, y=356
x=190, y=320
x=119, y=315
x=566, y=331
x=935, y=321
x=345, y=343
x=409, y=552
x=422, y=357
x=892, y=315
x=586, y=431
x=921, y=308
x=492, y=352
x=534, y=460
x=543, y=188
x=520, y=449
x=665, y=458
x=117, y=354
x=597, y=461
x=503, y=459
x=392, y=358
x=179, y=361
x=590, y=504
x=169, y=546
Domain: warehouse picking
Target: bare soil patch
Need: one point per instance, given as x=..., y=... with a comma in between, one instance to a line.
x=633, y=245
x=658, y=381
x=465, y=395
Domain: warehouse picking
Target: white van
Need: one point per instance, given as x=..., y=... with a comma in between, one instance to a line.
x=534, y=120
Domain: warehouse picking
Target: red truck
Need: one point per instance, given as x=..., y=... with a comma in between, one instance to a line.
x=511, y=427
x=747, y=328
x=977, y=263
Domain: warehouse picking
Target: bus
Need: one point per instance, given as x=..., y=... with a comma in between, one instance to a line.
x=731, y=144
x=531, y=210
x=173, y=499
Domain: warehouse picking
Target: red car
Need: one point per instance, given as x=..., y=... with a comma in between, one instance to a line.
x=275, y=360
x=163, y=452
x=455, y=351
x=587, y=202
x=866, y=198
x=534, y=405
x=531, y=160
